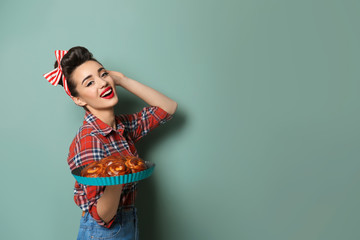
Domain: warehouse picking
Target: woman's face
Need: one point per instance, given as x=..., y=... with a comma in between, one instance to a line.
x=95, y=87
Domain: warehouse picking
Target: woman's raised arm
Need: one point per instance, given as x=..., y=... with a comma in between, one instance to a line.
x=146, y=93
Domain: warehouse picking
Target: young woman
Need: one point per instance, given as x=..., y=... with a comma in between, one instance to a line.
x=108, y=212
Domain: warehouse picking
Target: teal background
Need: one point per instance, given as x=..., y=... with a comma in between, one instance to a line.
x=265, y=142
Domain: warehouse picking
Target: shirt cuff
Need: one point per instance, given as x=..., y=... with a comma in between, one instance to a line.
x=93, y=212
x=162, y=116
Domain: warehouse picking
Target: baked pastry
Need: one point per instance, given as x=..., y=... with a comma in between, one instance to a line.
x=135, y=164
x=117, y=168
x=110, y=160
x=114, y=166
x=94, y=169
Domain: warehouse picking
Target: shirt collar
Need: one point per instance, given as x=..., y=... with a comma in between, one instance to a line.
x=100, y=126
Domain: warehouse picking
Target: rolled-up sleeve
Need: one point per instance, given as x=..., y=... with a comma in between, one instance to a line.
x=141, y=123
x=91, y=194
x=89, y=149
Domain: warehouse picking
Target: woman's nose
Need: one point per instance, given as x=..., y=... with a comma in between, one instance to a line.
x=102, y=83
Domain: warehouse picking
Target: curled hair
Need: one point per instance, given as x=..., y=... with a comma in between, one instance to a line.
x=71, y=60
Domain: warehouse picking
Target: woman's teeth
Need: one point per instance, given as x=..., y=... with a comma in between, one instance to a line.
x=106, y=93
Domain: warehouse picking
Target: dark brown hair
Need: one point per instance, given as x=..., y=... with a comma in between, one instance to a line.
x=71, y=60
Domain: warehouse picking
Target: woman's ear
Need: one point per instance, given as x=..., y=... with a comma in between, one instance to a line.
x=78, y=101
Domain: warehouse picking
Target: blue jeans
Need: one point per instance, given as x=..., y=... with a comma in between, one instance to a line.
x=123, y=227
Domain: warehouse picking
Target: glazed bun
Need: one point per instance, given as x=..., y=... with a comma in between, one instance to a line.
x=135, y=164
x=93, y=170
x=114, y=166
x=116, y=169
x=110, y=160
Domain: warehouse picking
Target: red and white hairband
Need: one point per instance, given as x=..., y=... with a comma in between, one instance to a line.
x=54, y=76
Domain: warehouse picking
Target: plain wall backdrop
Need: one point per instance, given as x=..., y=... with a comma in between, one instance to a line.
x=265, y=142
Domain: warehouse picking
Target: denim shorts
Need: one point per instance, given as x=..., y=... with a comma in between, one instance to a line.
x=123, y=227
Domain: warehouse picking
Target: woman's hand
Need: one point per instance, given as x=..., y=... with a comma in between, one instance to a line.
x=118, y=77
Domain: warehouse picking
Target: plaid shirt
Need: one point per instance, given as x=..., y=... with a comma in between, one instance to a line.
x=96, y=140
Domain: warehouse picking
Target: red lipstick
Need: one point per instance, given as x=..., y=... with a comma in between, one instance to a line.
x=107, y=93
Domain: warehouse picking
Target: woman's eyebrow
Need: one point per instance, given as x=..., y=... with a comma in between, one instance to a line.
x=89, y=76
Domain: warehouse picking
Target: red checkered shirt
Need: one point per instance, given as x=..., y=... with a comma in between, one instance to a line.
x=96, y=140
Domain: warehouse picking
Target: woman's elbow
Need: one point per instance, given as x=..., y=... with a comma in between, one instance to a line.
x=172, y=108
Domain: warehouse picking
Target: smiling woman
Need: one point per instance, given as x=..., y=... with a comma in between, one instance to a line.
x=108, y=212
x=95, y=87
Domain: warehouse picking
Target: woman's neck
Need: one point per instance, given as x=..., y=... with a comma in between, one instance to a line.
x=107, y=116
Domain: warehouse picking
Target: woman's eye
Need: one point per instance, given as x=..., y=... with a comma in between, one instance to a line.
x=89, y=83
x=104, y=74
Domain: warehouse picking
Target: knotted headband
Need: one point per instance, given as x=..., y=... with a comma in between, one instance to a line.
x=54, y=76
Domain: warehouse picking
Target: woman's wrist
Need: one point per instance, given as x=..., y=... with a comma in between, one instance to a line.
x=118, y=78
x=122, y=81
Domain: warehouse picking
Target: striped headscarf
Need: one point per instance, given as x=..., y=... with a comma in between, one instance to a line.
x=54, y=76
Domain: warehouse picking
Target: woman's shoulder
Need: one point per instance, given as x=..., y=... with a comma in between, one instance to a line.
x=83, y=140
x=85, y=130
